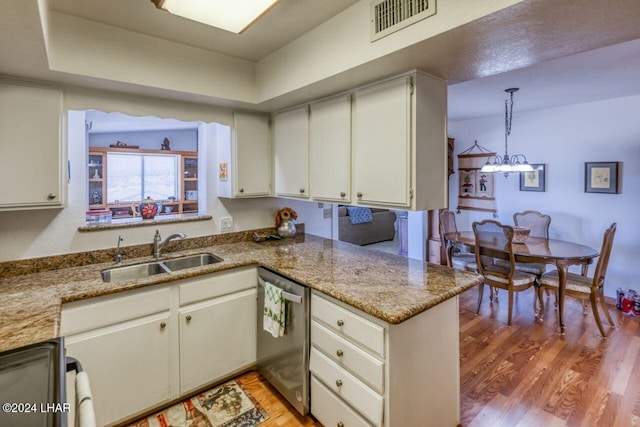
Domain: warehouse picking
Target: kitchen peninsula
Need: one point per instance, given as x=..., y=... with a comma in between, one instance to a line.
x=414, y=302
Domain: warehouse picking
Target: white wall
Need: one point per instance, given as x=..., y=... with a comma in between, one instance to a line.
x=565, y=138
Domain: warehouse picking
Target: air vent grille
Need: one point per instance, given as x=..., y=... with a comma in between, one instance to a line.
x=388, y=16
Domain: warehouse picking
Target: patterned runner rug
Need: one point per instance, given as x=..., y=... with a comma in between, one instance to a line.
x=227, y=405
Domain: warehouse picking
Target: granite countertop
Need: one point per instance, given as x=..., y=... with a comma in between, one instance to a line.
x=389, y=287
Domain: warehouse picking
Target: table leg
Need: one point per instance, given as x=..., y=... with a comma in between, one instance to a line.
x=562, y=285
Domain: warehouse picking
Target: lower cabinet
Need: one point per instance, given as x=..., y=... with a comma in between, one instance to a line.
x=146, y=347
x=365, y=372
x=217, y=337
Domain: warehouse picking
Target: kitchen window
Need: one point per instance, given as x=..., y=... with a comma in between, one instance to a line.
x=120, y=178
x=134, y=177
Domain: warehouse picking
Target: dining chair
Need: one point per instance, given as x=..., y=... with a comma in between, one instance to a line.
x=508, y=278
x=584, y=287
x=460, y=256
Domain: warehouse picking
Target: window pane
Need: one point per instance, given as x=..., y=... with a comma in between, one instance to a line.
x=160, y=176
x=124, y=177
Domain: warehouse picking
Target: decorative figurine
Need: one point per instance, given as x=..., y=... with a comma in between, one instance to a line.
x=165, y=144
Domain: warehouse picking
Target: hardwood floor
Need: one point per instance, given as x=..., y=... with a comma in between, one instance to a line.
x=281, y=413
x=529, y=375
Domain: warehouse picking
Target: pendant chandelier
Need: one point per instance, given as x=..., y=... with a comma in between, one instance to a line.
x=507, y=164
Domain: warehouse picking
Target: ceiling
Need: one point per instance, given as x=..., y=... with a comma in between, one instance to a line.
x=286, y=21
x=557, y=53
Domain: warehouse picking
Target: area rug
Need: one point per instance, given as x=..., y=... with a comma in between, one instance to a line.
x=227, y=405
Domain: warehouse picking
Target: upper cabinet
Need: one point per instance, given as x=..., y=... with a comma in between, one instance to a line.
x=400, y=143
x=245, y=165
x=382, y=143
x=291, y=152
x=330, y=149
x=31, y=150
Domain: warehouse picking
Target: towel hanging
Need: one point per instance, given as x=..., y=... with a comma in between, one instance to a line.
x=274, y=310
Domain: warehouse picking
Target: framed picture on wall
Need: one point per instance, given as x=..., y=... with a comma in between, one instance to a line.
x=535, y=180
x=602, y=177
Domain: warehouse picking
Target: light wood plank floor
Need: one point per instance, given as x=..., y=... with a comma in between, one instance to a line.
x=529, y=375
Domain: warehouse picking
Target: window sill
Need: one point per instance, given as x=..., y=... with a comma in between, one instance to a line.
x=139, y=222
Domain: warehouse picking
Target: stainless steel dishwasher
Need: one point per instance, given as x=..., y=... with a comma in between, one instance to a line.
x=284, y=361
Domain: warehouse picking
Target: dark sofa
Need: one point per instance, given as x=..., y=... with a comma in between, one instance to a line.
x=381, y=229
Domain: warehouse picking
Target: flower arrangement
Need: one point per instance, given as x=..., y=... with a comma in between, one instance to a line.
x=285, y=214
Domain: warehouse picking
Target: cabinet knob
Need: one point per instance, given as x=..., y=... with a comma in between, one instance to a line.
x=188, y=318
x=241, y=190
x=302, y=190
x=340, y=322
x=340, y=424
x=339, y=383
x=163, y=325
x=51, y=196
x=342, y=194
x=339, y=353
x=359, y=194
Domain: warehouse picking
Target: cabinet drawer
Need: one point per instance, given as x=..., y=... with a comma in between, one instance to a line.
x=364, y=366
x=107, y=310
x=330, y=410
x=348, y=324
x=348, y=387
x=217, y=284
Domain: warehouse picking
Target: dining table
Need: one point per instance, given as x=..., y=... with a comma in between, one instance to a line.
x=561, y=253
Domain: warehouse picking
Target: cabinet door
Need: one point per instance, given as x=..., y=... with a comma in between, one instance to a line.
x=382, y=143
x=291, y=151
x=31, y=152
x=127, y=364
x=330, y=146
x=217, y=338
x=251, y=156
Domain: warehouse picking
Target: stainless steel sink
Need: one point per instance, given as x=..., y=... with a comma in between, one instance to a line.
x=140, y=271
x=191, y=261
x=132, y=272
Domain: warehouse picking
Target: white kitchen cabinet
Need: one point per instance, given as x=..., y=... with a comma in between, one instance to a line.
x=217, y=335
x=123, y=343
x=146, y=347
x=246, y=157
x=399, y=143
x=291, y=152
x=31, y=150
x=330, y=149
x=362, y=373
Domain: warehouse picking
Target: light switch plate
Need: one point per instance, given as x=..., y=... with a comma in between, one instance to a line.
x=226, y=223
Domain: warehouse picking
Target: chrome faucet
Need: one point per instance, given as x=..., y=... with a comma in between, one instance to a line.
x=159, y=244
x=118, y=255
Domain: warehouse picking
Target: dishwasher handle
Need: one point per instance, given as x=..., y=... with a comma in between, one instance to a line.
x=297, y=299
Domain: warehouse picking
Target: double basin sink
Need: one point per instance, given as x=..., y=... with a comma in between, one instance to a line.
x=140, y=271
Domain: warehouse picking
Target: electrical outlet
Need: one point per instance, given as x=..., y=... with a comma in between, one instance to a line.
x=327, y=213
x=226, y=223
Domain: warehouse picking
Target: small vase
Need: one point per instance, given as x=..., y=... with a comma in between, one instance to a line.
x=287, y=229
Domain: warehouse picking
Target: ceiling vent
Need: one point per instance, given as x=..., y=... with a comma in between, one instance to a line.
x=388, y=16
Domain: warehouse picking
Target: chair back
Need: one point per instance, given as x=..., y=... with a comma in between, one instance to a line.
x=447, y=224
x=605, y=253
x=537, y=222
x=496, y=235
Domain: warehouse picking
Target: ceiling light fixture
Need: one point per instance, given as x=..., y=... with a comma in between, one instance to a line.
x=231, y=15
x=507, y=164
